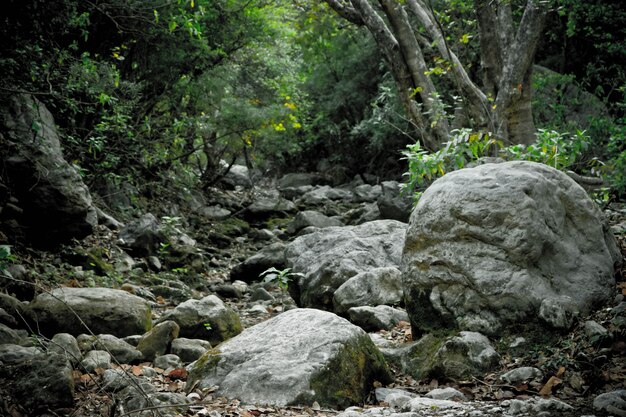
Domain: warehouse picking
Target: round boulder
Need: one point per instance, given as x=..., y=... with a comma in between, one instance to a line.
x=501, y=244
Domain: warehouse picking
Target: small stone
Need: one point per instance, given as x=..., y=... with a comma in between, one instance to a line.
x=167, y=361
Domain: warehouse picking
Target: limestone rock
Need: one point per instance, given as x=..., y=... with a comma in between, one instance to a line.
x=270, y=256
x=331, y=256
x=143, y=236
x=505, y=243
x=209, y=319
x=158, y=340
x=102, y=310
x=287, y=360
x=468, y=354
x=45, y=382
x=120, y=350
x=311, y=218
x=376, y=286
x=392, y=204
x=66, y=345
x=56, y=203
x=373, y=319
x=95, y=359
x=189, y=350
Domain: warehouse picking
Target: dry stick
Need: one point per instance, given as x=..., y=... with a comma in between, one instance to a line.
x=41, y=288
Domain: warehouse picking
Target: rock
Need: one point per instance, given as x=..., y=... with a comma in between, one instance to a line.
x=422, y=404
x=331, y=256
x=56, y=204
x=121, y=351
x=169, y=361
x=468, y=354
x=520, y=375
x=297, y=179
x=382, y=394
x=362, y=214
x=158, y=340
x=101, y=310
x=373, y=287
x=209, y=319
x=96, y=359
x=538, y=405
x=392, y=204
x=214, y=212
x=189, y=350
x=261, y=294
x=16, y=280
x=373, y=319
x=143, y=236
x=269, y=206
x=367, y=193
x=250, y=269
x=66, y=345
x=611, y=402
x=324, y=193
x=114, y=380
x=287, y=360
x=135, y=399
x=9, y=336
x=107, y=220
x=597, y=334
x=447, y=393
x=237, y=176
x=311, y=218
x=44, y=382
x=501, y=244
x=11, y=354
x=7, y=319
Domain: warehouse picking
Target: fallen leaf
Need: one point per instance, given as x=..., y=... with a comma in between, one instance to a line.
x=136, y=370
x=178, y=373
x=547, y=388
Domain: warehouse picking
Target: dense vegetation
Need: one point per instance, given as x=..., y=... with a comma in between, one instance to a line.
x=166, y=89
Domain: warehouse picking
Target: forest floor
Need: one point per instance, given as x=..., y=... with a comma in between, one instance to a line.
x=575, y=370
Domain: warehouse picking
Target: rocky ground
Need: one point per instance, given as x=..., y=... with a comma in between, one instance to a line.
x=574, y=371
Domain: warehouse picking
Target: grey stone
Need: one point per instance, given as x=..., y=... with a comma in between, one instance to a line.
x=522, y=374
x=140, y=403
x=237, y=176
x=168, y=361
x=7, y=319
x=538, y=405
x=209, y=319
x=373, y=287
x=447, y=393
x=323, y=194
x=611, y=401
x=297, y=179
x=468, y=354
x=214, y=212
x=392, y=204
x=44, y=382
x=96, y=359
x=189, y=350
x=331, y=256
x=373, y=319
x=11, y=354
x=261, y=294
x=121, y=351
x=143, y=237
x=287, y=360
x=367, y=193
x=311, y=218
x=56, y=203
x=422, y=404
x=158, y=340
x=9, y=336
x=114, y=380
x=489, y=246
x=268, y=206
x=66, y=345
x=102, y=310
x=270, y=256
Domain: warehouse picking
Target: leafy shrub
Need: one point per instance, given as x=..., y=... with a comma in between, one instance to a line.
x=559, y=150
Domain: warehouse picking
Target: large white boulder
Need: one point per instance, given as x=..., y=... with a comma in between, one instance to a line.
x=499, y=244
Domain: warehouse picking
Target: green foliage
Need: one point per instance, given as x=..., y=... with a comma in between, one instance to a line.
x=5, y=256
x=559, y=150
x=280, y=277
x=465, y=146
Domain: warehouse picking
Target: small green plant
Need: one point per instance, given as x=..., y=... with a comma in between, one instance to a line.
x=5, y=257
x=208, y=327
x=280, y=277
x=465, y=146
